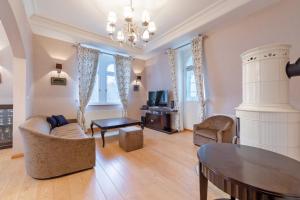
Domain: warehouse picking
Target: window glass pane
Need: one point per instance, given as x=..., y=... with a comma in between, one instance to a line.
x=112, y=94
x=191, y=91
x=95, y=94
x=111, y=68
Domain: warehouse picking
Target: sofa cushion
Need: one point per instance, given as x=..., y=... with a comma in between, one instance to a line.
x=37, y=124
x=52, y=121
x=60, y=119
x=71, y=131
x=208, y=133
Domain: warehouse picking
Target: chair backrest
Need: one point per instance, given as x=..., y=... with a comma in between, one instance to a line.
x=219, y=121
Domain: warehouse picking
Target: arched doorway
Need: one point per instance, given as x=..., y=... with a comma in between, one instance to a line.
x=19, y=65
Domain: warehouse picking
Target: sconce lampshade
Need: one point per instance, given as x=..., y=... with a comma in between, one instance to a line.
x=138, y=78
x=58, y=67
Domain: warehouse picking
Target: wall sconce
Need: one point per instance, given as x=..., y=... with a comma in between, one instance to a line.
x=58, y=68
x=136, y=86
x=58, y=80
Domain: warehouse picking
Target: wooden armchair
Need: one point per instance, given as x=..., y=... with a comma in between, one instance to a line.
x=214, y=129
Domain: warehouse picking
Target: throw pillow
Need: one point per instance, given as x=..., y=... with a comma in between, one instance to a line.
x=52, y=121
x=61, y=120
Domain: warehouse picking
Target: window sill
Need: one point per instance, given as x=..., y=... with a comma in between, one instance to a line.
x=105, y=104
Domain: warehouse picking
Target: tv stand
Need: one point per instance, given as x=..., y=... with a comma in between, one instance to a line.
x=159, y=118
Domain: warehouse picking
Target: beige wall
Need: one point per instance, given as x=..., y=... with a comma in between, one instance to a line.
x=277, y=24
x=6, y=58
x=48, y=100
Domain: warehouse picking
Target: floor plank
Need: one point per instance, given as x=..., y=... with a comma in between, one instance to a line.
x=164, y=169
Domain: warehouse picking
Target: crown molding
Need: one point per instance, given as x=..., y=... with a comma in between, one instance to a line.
x=203, y=18
x=53, y=29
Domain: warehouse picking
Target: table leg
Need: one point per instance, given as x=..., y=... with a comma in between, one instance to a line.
x=103, y=139
x=92, y=124
x=203, y=184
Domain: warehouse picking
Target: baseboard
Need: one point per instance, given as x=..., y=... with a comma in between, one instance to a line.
x=186, y=129
x=17, y=155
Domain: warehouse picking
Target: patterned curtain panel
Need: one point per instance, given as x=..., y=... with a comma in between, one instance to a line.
x=123, y=73
x=174, y=77
x=197, y=50
x=87, y=60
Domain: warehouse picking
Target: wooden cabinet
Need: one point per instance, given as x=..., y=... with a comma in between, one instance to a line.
x=6, y=126
x=160, y=121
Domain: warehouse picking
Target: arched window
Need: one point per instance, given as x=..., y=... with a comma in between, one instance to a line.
x=105, y=89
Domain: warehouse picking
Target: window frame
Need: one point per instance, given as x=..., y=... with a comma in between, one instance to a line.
x=102, y=75
x=186, y=95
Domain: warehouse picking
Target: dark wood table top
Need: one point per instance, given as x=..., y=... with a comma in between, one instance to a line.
x=264, y=170
x=115, y=122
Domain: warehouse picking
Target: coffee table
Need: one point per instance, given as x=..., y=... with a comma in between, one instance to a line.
x=246, y=172
x=106, y=124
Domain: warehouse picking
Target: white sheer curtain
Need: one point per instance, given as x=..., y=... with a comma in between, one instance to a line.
x=198, y=56
x=176, y=77
x=87, y=62
x=123, y=75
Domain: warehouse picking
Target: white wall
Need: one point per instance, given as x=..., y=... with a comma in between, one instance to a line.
x=6, y=57
x=49, y=100
x=223, y=46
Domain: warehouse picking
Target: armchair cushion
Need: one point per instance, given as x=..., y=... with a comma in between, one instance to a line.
x=208, y=133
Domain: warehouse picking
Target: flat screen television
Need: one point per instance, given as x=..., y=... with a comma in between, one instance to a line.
x=158, y=98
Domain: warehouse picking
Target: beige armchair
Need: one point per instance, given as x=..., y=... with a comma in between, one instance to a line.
x=214, y=129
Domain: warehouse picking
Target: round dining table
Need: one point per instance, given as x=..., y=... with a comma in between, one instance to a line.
x=246, y=172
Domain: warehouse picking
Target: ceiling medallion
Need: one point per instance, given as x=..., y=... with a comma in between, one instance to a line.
x=131, y=32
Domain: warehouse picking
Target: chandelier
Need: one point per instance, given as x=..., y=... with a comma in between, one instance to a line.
x=131, y=32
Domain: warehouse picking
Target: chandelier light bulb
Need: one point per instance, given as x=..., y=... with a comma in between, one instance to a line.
x=145, y=18
x=146, y=36
x=112, y=18
x=120, y=36
x=152, y=28
x=135, y=38
x=128, y=13
x=110, y=28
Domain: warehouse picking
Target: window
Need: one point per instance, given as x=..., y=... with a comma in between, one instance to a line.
x=105, y=88
x=190, y=84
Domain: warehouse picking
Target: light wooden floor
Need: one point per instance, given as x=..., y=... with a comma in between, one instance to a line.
x=164, y=169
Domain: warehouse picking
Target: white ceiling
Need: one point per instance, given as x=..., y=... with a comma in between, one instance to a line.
x=85, y=20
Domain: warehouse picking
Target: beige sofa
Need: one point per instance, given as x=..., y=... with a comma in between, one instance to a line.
x=63, y=150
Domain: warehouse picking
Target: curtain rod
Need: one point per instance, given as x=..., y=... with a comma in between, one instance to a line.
x=102, y=52
x=186, y=44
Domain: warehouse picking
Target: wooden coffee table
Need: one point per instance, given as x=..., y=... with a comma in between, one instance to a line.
x=246, y=172
x=106, y=124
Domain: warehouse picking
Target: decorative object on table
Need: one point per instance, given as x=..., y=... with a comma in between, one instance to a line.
x=136, y=86
x=6, y=126
x=267, y=120
x=123, y=76
x=246, y=172
x=58, y=80
x=130, y=32
x=215, y=129
x=131, y=138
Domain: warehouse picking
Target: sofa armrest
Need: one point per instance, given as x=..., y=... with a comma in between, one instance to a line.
x=49, y=156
